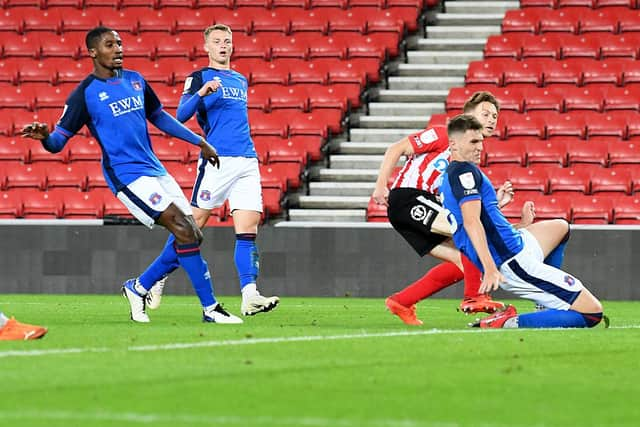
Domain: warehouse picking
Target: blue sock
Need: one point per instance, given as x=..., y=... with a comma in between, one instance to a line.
x=556, y=256
x=191, y=260
x=166, y=262
x=246, y=258
x=553, y=319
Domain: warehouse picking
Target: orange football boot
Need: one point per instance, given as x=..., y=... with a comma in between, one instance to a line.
x=497, y=319
x=406, y=314
x=480, y=304
x=14, y=330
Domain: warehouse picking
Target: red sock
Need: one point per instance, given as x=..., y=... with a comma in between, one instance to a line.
x=472, y=278
x=439, y=277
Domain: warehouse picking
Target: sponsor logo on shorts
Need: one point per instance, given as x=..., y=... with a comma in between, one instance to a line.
x=419, y=213
x=569, y=280
x=155, y=198
x=205, y=195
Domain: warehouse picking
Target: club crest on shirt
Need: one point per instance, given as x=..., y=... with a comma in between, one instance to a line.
x=205, y=195
x=569, y=280
x=155, y=198
x=136, y=85
x=103, y=96
x=467, y=181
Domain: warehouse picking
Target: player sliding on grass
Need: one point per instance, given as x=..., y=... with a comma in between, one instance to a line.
x=509, y=258
x=11, y=329
x=115, y=105
x=416, y=213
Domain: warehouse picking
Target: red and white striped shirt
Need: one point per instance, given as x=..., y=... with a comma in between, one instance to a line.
x=424, y=169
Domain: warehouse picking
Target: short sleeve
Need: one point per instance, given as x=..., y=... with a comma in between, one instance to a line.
x=151, y=101
x=193, y=83
x=465, y=180
x=430, y=140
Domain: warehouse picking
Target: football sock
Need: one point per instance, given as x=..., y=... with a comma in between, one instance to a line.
x=3, y=319
x=246, y=258
x=472, y=278
x=439, y=277
x=556, y=256
x=191, y=261
x=249, y=289
x=166, y=262
x=553, y=319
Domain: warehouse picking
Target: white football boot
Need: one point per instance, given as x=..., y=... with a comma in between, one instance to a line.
x=154, y=297
x=256, y=303
x=219, y=315
x=136, y=302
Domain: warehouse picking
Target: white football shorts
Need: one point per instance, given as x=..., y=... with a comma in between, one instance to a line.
x=237, y=180
x=529, y=277
x=148, y=196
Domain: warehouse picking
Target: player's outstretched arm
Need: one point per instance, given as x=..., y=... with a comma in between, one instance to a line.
x=52, y=142
x=391, y=156
x=189, y=101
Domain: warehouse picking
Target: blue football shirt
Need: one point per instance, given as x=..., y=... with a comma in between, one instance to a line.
x=116, y=111
x=223, y=115
x=463, y=182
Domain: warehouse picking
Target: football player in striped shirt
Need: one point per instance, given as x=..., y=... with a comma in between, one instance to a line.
x=115, y=104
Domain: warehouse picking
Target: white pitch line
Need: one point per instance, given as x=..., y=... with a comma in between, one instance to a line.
x=273, y=340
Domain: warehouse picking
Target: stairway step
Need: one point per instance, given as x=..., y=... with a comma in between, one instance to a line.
x=478, y=6
x=363, y=189
x=425, y=83
x=462, y=31
x=394, y=122
x=469, y=18
x=348, y=175
x=432, y=70
x=355, y=161
x=381, y=135
x=328, y=215
x=349, y=147
x=334, y=202
x=443, y=57
x=412, y=95
x=451, y=44
x=405, y=108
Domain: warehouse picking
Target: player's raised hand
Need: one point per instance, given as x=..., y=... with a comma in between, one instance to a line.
x=505, y=194
x=381, y=196
x=209, y=153
x=528, y=214
x=491, y=281
x=35, y=130
x=209, y=87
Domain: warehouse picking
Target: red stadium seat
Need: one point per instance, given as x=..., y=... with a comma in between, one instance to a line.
x=17, y=96
x=258, y=96
x=308, y=72
x=302, y=4
x=13, y=148
x=309, y=143
x=630, y=21
x=591, y=210
x=602, y=21
x=602, y=72
x=10, y=204
x=529, y=72
x=605, y=180
x=112, y=206
x=168, y=95
x=84, y=149
x=543, y=99
x=95, y=176
x=30, y=71
x=568, y=124
x=10, y=70
x=622, y=98
x=561, y=20
x=504, y=46
x=250, y=47
x=588, y=153
x=286, y=150
x=290, y=97
x=548, y=152
x=630, y=72
x=607, y=124
x=153, y=71
x=37, y=153
x=498, y=174
x=333, y=96
x=67, y=176
x=626, y=210
x=529, y=181
x=618, y=45
x=630, y=4
x=376, y=212
x=271, y=198
x=583, y=98
x=48, y=20
x=183, y=45
x=193, y=20
x=119, y=20
x=326, y=47
x=349, y=20
x=271, y=177
x=563, y=72
x=543, y=46
x=569, y=180
x=51, y=96
x=83, y=205
x=309, y=21
x=275, y=123
x=42, y=204
x=185, y=175
x=538, y=3
x=154, y=20
x=512, y=151
x=270, y=20
x=275, y=72
x=522, y=125
x=523, y=20
x=342, y=4
x=552, y=207
x=80, y=20
x=624, y=154
x=384, y=20
x=170, y=150
x=289, y=47
x=12, y=19
x=309, y=124
x=353, y=71
x=73, y=72
x=485, y=72
x=575, y=3
x=20, y=175
x=582, y=46
x=16, y=45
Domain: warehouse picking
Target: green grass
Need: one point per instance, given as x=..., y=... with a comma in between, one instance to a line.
x=372, y=371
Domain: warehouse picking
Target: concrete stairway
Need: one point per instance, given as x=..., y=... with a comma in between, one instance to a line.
x=417, y=88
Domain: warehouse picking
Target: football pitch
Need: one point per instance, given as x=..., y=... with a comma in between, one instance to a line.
x=338, y=362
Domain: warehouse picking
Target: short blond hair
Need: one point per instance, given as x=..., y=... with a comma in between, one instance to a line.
x=216, y=27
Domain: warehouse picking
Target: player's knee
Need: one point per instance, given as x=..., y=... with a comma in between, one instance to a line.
x=592, y=319
x=566, y=229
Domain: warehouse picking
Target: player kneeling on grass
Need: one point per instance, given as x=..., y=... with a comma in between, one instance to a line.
x=510, y=258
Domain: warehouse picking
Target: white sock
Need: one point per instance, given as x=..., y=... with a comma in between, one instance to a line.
x=3, y=319
x=511, y=323
x=249, y=290
x=210, y=308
